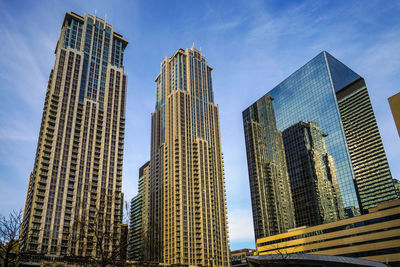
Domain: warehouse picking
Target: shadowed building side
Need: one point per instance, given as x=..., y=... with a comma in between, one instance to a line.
x=139, y=218
x=371, y=168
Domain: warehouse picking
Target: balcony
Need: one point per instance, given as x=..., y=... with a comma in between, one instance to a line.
x=48, y=144
x=46, y=156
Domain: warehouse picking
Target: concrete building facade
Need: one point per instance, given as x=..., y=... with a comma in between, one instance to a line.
x=371, y=169
x=188, y=221
x=75, y=187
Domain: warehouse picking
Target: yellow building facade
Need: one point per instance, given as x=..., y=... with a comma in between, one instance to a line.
x=394, y=102
x=188, y=222
x=374, y=236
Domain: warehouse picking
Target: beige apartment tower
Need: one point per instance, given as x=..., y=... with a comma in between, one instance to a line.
x=188, y=223
x=75, y=187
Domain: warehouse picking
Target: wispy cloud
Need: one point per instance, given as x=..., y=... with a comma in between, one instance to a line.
x=17, y=131
x=240, y=225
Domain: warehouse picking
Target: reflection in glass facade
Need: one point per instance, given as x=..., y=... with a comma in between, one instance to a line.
x=329, y=94
x=312, y=173
x=309, y=95
x=271, y=197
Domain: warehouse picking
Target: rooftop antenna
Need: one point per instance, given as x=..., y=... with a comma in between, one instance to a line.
x=193, y=46
x=95, y=13
x=105, y=21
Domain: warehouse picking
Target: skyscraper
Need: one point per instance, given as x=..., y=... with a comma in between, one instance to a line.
x=269, y=181
x=139, y=216
x=371, y=169
x=74, y=189
x=187, y=223
x=330, y=94
x=312, y=174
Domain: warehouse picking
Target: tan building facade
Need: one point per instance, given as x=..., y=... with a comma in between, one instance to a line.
x=374, y=236
x=75, y=186
x=188, y=223
x=394, y=102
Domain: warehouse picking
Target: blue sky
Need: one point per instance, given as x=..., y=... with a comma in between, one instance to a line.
x=252, y=46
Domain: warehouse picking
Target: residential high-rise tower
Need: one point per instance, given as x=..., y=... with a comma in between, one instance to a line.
x=74, y=189
x=187, y=223
x=139, y=216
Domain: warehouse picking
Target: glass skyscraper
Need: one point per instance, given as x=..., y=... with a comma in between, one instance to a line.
x=75, y=186
x=309, y=95
x=323, y=92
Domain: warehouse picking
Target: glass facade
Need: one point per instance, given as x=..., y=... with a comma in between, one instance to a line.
x=309, y=95
x=96, y=47
x=312, y=174
x=271, y=196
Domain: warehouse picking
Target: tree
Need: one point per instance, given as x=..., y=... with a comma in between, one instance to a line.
x=102, y=237
x=9, y=237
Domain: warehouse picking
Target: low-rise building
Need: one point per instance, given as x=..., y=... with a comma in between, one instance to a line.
x=238, y=257
x=374, y=236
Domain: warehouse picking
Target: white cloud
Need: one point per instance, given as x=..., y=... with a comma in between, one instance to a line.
x=240, y=223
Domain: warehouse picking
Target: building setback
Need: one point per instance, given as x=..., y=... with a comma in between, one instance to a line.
x=187, y=223
x=271, y=196
x=139, y=216
x=75, y=186
x=312, y=172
